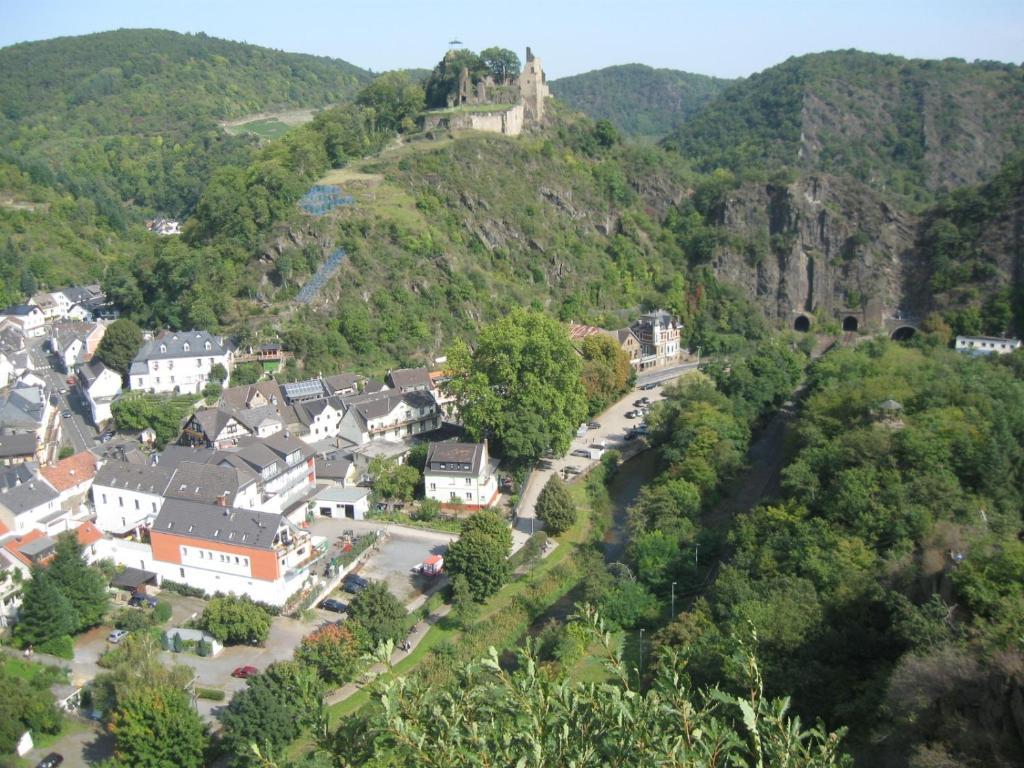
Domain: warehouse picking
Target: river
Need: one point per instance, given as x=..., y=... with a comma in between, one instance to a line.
x=632, y=476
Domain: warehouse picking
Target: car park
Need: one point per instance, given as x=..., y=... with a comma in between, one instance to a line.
x=52, y=760
x=245, y=672
x=117, y=636
x=330, y=604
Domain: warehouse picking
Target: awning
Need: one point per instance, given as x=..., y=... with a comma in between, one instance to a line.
x=132, y=578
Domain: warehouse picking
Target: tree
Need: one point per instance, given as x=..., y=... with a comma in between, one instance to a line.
x=482, y=560
x=25, y=706
x=119, y=345
x=395, y=100
x=392, y=480
x=607, y=372
x=271, y=711
x=379, y=613
x=218, y=374
x=236, y=620
x=335, y=651
x=83, y=585
x=520, y=386
x=555, y=506
x=503, y=64
x=492, y=524
x=155, y=726
x=246, y=373
x=45, y=614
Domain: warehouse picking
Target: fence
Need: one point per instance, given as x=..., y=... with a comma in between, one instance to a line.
x=319, y=280
x=322, y=198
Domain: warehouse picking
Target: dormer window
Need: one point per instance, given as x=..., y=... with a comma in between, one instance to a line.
x=185, y=347
x=163, y=347
x=208, y=346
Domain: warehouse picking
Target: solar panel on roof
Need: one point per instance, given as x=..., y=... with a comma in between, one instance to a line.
x=306, y=388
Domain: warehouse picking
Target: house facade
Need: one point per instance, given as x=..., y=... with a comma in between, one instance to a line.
x=179, y=362
x=658, y=333
x=389, y=415
x=100, y=386
x=227, y=549
x=27, y=319
x=128, y=496
x=460, y=475
x=27, y=501
x=986, y=345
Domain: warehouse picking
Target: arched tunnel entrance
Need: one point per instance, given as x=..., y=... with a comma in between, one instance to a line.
x=903, y=333
x=850, y=323
x=802, y=324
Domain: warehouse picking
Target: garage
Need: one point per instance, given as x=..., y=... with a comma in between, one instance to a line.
x=351, y=503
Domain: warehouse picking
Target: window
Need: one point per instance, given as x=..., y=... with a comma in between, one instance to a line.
x=163, y=347
x=184, y=550
x=469, y=497
x=120, y=501
x=453, y=495
x=140, y=381
x=104, y=498
x=136, y=504
x=154, y=506
x=156, y=365
x=433, y=486
x=186, y=347
x=469, y=481
x=182, y=572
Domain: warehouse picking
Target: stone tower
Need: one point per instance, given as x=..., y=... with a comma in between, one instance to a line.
x=534, y=88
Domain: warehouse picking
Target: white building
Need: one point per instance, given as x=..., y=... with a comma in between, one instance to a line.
x=26, y=318
x=179, y=362
x=986, y=345
x=388, y=415
x=127, y=497
x=27, y=501
x=336, y=501
x=461, y=474
x=100, y=386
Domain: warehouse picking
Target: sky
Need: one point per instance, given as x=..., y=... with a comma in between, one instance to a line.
x=726, y=38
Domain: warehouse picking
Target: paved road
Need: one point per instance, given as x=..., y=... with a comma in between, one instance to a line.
x=77, y=430
x=612, y=431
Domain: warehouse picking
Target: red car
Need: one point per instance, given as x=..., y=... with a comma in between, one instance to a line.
x=245, y=672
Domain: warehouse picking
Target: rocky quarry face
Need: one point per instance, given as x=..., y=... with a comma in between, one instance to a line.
x=824, y=248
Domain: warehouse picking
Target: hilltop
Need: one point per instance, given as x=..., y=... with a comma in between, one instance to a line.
x=908, y=128
x=637, y=99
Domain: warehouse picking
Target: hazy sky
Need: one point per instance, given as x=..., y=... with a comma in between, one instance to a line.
x=728, y=38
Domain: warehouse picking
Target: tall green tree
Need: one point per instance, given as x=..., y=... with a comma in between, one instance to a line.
x=119, y=345
x=502, y=63
x=45, y=613
x=521, y=385
x=379, y=613
x=606, y=373
x=392, y=480
x=482, y=560
x=335, y=651
x=395, y=100
x=83, y=585
x=236, y=620
x=155, y=726
x=555, y=506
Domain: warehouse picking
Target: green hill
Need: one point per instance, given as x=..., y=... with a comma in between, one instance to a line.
x=906, y=127
x=637, y=99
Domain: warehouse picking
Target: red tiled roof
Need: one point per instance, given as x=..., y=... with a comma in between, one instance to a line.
x=14, y=545
x=578, y=332
x=72, y=471
x=88, y=533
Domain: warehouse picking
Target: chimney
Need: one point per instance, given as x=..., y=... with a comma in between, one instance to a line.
x=222, y=501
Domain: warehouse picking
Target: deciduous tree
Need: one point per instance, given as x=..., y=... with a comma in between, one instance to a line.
x=379, y=613
x=119, y=345
x=335, y=651
x=555, y=506
x=236, y=620
x=155, y=726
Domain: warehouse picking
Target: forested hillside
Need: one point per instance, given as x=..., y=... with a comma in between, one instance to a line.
x=907, y=127
x=637, y=99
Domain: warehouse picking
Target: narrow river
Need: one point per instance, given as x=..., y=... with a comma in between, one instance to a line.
x=633, y=475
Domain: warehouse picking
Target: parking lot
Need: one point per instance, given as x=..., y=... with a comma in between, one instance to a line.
x=399, y=551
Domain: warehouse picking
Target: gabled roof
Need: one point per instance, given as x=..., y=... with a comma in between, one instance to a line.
x=253, y=418
x=213, y=421
x=455, y=458
x=17, y=445
x=23, y=408
x=241, y=397
x=308, y=389
x=342, y=382
x=28, y=545
x=43, y=299
x=170, y=345
x=91, y=371
x=372, y=385
x=88, y=533
x=379, y=404
x=409, y=379
x=143, y=478
x=335, y=468
x=204, y=482
x=27, y=496
x=20, y=310
x=74, y=470
x=226, y=525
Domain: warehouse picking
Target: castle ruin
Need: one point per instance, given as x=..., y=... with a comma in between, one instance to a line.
x=525, y=95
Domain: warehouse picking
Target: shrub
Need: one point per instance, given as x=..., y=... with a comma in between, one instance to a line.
x=236, y=620
x=430, y=509
x=63, y=646
x=182, y=589
x=177, y=643
x=211, y=694
x=132, y=619
x=161, y=613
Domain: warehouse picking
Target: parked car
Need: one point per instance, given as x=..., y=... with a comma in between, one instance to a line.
x=633, y=414
x=354, y=583
x=245, y=672
x=66, y=414
x=593, y=425
x=571, y=470
x=581, y=452
x=52, y=760
x=117, y=635
x=63, y=390
x=72, y=381
x=330, y=604
x=142, y=601
x=652, y=385
x=507, y=484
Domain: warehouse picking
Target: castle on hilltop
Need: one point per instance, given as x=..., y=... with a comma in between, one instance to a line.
x=479, y=106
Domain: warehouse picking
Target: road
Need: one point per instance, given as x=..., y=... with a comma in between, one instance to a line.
x=77, y=430
x=612, y=431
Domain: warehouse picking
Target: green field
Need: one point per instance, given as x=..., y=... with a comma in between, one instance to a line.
x=268, y=128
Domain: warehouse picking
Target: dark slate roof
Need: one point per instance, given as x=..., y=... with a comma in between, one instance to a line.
x=20, y=310
x=204, y=482
x=26, y=496
x=341, y=382
x=89, y=372
x=132, y=578
x=253, y=417
x=17, y=445
x=144, y=478
x=228, y=525
x=335, y=468
x=175, y=346
x=17, y=474
x=372, y=385
x=458, y=458
x=213, y=420
x=409, y=379
x=378, y=404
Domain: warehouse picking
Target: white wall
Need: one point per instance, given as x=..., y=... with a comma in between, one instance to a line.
x=116, y=510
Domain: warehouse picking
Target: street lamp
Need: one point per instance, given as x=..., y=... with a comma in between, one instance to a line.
x=696, y=549
x=672, y=615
